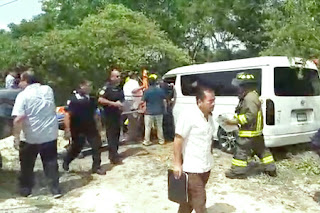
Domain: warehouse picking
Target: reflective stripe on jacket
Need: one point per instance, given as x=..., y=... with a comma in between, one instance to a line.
x=250, y=116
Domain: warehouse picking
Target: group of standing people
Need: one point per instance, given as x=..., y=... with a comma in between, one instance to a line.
x=36, y=130
x=36, y=127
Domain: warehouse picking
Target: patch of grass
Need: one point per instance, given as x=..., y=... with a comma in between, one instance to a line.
x=308, y=165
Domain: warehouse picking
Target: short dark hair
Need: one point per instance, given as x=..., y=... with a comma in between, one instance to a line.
x=200, y=95
x=29, y=77
x=85, y=82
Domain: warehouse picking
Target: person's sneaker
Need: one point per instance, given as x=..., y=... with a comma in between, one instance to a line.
x=161, y=142
x=56, y=193
x=99, y=171
x=232, y=175
x=65, y=166
x=25, y=192
x=147, y=143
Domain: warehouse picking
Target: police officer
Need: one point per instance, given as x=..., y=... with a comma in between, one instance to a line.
x=250, y=138
x=81, y=124
x=111, y=98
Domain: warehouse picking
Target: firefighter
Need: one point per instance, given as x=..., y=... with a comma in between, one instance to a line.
x=250, y=139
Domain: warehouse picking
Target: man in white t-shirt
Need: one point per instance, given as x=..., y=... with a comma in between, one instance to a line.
x=133, y=94
x=34, y=112
x=11, y=82
x=192, y=149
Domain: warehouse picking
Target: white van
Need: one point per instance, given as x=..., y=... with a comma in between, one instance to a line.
x=289, y=90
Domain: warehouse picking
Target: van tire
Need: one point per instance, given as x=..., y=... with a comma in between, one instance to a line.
x=227, y=141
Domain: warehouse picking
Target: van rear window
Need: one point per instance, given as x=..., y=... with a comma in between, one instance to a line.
x=290, y=81
x=220, y=82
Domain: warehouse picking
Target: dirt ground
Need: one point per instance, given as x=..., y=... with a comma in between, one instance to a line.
x=140, y=184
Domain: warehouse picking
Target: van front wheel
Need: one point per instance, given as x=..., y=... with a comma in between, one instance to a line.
x=227, y=140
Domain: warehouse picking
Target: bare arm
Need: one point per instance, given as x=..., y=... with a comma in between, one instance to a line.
x=177, y=155
x=17, y=126
x=137, y=89
x=66, y=121
x=106, y=102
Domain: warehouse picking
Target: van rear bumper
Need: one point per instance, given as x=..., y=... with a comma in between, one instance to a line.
x=289, y=139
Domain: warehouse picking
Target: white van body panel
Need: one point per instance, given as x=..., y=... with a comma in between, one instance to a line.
x=287, y=129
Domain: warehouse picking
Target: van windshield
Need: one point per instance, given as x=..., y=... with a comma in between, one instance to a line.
x=291, y=81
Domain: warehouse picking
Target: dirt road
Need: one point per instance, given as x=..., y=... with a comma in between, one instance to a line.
x=140, y=185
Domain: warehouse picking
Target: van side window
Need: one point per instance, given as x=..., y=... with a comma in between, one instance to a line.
x=220, y=82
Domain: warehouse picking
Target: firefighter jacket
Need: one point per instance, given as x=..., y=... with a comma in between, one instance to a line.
x=249, y=114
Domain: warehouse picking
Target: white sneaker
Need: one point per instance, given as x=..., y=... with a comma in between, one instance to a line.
x=161, y=142
x=147, y=143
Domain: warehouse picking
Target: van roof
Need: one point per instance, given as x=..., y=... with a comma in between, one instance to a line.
x=240, y=63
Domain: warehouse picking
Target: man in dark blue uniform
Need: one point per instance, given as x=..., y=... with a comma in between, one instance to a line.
x=80, y=125
x=111, y=98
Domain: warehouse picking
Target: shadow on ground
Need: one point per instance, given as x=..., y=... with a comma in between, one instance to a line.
x=68, y=182
x=287, y=152
x=221, y=208
x=134, y=151
x=8, y=184
x=74, y=180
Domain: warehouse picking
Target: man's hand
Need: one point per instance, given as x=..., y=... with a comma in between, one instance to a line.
x=231, y=121
x=177, y=170
x=16, y=142
x=67, y=134
x=118, y=104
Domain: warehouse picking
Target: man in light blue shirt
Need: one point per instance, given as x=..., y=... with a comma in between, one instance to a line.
x=34, y=109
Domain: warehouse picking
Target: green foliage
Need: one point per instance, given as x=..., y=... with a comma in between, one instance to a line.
x=10, y=52
x=208, y=28
x=294, y=29
x=309, y=166
x=116, y=36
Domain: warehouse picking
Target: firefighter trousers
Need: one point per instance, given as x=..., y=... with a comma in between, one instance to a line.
x=246, y=147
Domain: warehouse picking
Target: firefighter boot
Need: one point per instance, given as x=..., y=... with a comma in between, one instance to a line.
x=233, y=174
x=270, y=169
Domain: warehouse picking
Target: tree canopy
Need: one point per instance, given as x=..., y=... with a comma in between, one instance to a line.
x=72, y=39
x=116, y=36
x=294, y=29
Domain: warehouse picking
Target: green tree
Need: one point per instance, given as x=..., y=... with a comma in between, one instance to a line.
x=294, y=29
x=116, y=36
x=209, y=30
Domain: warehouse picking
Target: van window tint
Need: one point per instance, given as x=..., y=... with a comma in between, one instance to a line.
x=296, y=82
x=170, y=80
x=220, y=82
x=168, y=86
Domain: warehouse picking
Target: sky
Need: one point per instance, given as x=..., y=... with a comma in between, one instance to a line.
x=18, y=10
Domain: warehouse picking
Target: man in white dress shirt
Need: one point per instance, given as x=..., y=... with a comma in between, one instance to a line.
x=34, y=112
x=192, y=149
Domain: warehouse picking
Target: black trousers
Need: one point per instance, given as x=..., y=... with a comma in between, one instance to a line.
x=79, y=138
x=28, y=154
x=113, y=123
